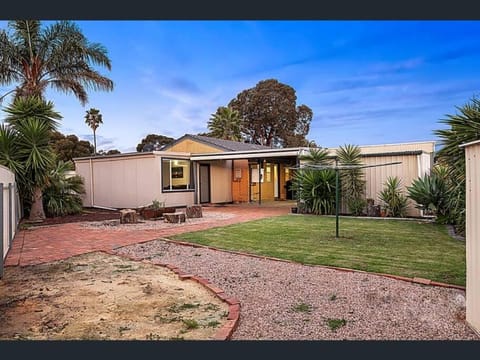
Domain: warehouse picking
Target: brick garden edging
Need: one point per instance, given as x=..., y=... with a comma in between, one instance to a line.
x=416, y=280
x=233, y=317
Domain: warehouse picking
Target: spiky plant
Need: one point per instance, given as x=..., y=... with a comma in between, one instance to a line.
x=394, y=201
x=63, y=194
x=24, y=146
x=316, y=190
x=463, y=127
x=352, y=180
x=430, y=192
x=225, y=124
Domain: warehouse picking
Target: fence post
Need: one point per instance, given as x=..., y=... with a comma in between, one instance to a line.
x=1, y=231
x=10, y=215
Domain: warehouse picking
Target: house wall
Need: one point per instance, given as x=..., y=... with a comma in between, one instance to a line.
x=240, y=191
x=425, y=146
x=126, y=182
x=472, y=156
x=221, y=181
x=9, y=203
x=194, y=147
x=407, y=171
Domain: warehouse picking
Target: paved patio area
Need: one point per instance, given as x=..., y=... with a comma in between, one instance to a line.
x=44, y=244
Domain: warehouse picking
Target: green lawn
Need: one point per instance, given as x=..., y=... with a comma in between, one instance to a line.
x=406, y=248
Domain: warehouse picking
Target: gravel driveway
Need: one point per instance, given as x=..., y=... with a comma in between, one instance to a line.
x=284, y=301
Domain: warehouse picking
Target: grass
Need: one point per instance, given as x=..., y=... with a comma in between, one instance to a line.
x=302, y=307
x=335, y=324
x=190, y=324
x=406, y=248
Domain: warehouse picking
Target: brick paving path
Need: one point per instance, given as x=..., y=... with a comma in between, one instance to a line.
x=56, y=242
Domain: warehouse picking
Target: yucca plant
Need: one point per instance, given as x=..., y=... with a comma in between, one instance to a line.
x=25, y=149
x=63, y=194
x=352, y=180
x=316, y=190
x=464, y=127
x=430, y=192
x=394, y=201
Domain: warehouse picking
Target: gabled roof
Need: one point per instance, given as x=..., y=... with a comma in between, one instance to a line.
x=226, y=145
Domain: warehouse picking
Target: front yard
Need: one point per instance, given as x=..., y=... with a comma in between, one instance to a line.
x=406, y=248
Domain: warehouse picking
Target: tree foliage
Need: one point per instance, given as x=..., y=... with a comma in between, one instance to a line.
x=315, y=189
x=62, y=195
x=25, y=148
x=153, y=140
x=59, y=56
x=430, y=192
x=269, y=115
x=93, y=119
x=394, y=201
x=67, y=147
x=352, y=180
x=463, y=127
x=225, y=124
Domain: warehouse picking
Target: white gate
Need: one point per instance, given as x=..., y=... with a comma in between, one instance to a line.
x=9, y=212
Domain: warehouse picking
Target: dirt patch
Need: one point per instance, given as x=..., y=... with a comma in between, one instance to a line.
x=87, y=214
x=107, y=297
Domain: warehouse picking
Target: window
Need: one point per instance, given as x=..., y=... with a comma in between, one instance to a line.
x=176, y=175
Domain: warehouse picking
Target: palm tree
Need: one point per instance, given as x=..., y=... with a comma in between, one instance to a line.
x=93, y=118
x=316, y=156
x=25, y=149
x=34, y=58
x=62, y=196
x=225, y=124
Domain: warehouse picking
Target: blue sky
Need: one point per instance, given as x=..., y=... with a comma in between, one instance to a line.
x=367, y=82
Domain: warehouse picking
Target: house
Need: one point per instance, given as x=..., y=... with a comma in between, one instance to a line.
x=198, y=169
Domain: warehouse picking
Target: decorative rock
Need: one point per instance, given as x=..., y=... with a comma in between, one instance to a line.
x=174, y=217
x=194, y=211
x=128, y=216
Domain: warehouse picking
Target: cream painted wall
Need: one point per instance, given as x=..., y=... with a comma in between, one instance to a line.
x=130, y=181
x=472, y=156
x=221, y=181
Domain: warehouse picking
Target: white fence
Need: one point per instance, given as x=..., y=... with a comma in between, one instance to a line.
x=9, y=212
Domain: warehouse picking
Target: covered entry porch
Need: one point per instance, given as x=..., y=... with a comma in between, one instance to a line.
x=255, y=176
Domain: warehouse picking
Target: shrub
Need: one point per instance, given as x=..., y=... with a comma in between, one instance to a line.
x=315, y=190
x=395, y=203
x=357, y=206
x=62, y=196
x=430, y=193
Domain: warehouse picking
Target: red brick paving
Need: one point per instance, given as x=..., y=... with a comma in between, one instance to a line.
x=46, y=244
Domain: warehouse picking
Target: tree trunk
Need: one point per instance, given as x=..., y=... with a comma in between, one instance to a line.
x=36, y=212
x=94, y=143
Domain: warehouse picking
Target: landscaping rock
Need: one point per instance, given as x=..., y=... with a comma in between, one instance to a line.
x=128, y=216
x=174, y=217
x=194, y=211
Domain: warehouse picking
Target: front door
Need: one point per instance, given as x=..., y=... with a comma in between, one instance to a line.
x=204, y=183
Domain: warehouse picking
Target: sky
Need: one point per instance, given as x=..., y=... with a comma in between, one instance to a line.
x=367, y=82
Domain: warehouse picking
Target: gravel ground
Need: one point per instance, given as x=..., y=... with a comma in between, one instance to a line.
x=208, y=216
x=284, y=301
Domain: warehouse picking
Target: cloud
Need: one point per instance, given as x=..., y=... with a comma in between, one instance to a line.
x=102, y=141
x=184, y=85
x=454, y=54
